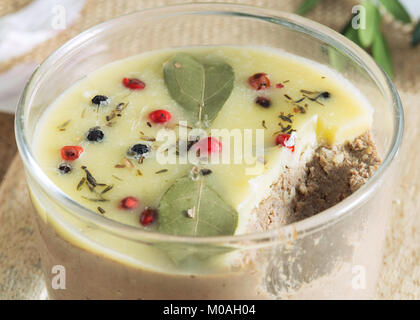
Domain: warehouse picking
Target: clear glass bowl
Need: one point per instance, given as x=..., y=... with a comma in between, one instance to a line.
x=334, y=254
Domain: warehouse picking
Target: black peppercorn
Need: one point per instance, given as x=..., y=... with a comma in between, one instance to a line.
x=138, y=150
x=64, y=168
x=325, y=94
x=100, y=100
x=205, y=172
x=95, y=135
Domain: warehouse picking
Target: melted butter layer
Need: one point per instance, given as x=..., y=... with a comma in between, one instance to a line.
x=341, y=116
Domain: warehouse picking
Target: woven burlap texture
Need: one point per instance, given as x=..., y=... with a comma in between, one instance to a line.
x=20, y=276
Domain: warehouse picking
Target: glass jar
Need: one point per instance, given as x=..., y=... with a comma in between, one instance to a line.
x=334, y=254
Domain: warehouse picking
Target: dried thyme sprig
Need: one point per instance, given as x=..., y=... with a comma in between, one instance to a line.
x=90, y=181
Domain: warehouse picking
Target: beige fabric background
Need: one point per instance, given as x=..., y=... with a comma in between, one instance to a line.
x=20, y=276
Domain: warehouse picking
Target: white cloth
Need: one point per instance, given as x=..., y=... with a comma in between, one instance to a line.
x=413, y=7
x=21, y=31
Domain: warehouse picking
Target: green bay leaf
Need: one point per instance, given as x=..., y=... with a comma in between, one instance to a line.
x=350, y=33
x=337, y=59
x=306, y=6
x=382, y=54
x=373, y=20
x=200, y=88
x=209, y=214
x=396, y=9
x=415, y=40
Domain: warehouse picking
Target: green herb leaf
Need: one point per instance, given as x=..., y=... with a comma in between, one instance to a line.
x=192, y=208
x=373, y=19
x=307, y=6
x=415, y=40
x=350, y=33
x=381, y=53
x=200, y=88
x=397, y=10
x=348, y=25
x=337, y=59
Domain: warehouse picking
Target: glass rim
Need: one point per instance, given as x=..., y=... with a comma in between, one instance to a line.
x=288, y=20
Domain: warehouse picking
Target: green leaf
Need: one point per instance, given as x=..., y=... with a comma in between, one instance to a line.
x=373, y=19
x=397, y=10
x=353, y=35
x=348, y=25
x=337, y=59
x=306, y=6
x=200, y=88
x=382, y=54
x=415, y=40
x=192, y=208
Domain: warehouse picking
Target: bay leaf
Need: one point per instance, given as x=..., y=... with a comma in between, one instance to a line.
x=350, y=33
x=306, y=6
x=373, y=20
x=337, y=59
x=193, y=208
x=395, y=8
x=415, y=40
x=382, y=54
x=200, y=88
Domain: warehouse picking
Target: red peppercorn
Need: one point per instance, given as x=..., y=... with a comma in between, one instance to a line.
x=208, y=145
x=259, y=81
x=70, y=153
x=283, y=140
x=160, y=116
x=129, y=203
x=279, y=85
x=133, y=83
x=148, y=216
